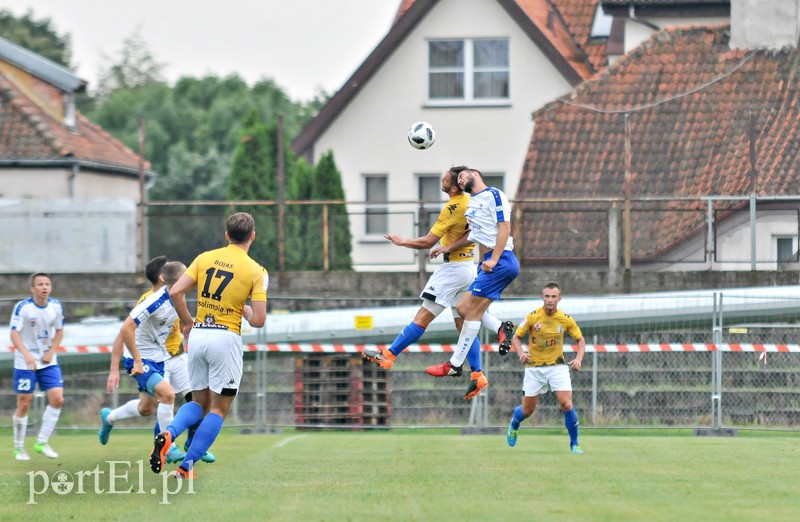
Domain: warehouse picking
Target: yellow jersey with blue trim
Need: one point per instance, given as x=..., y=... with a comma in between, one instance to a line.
x=174, y=341
x=225, y=278
x=546, y=336
x=451, y=225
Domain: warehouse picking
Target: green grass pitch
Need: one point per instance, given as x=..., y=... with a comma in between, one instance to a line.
x=416, y=475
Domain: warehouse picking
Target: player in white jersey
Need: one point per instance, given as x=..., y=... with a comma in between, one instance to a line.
x=144, y=333
x=37, y=327
x=489, y=218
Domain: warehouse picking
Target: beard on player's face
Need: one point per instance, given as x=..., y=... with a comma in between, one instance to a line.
x=469, y=184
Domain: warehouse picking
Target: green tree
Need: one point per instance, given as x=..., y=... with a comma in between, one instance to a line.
x=135, y=67
x=254, y=177
x=197, y=134
x=38, y=36
x=303, y=222
x=183, y=231
x=328, y=186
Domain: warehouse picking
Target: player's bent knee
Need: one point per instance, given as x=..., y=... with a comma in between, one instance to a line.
x=434, y=308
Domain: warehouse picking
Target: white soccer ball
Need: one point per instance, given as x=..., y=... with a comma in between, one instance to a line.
x=421, y=135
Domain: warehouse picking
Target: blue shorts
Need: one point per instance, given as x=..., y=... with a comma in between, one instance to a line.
x=153, y=374
x=491, y=284
x=47, y=378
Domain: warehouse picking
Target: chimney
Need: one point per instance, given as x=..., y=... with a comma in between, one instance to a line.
x=771, y=24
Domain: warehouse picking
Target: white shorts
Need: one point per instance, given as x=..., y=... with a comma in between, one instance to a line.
x=176, y=372
x=449, y=282
x=215, y=359
x=540, y=379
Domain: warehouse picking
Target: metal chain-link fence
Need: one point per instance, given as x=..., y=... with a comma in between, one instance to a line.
x=660, y=360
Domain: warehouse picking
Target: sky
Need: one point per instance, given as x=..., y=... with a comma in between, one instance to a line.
x=304, y=46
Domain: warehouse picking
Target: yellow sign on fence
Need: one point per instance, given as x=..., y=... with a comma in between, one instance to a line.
x=363, y=322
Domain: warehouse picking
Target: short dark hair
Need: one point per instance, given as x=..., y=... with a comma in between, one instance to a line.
x=454, y=172
x=479, y=173
x=40, y=274
x=153, y=268
x=551, y=285
x=240, y=227
x=172, y=271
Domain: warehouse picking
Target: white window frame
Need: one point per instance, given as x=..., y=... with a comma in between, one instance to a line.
x=376, y=206
x=432, y=207
x=778, y=240
x=468, y=70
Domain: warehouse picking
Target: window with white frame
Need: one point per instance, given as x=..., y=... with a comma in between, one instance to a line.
x=377, y=212
x=787, y=249
x=429, y=192
x=468, y=70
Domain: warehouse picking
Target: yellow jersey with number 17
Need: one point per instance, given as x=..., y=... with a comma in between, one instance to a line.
x=225, y=278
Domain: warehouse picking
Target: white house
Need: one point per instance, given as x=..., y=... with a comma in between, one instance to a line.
x=475, y=70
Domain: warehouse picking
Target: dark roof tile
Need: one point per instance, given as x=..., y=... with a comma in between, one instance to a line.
x=689, y=136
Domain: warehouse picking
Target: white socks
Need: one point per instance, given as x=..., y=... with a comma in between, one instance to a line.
x=20, y=426
x=49, y=420
x=490, y=322
x=129, y=410
x=469, y=331
x=165, y=414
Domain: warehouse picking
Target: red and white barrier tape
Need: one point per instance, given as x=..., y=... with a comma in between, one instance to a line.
x=439, y=348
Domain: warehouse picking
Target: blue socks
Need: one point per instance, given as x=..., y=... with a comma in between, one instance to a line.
x=203, y=438
x=474, y=356
x=189, y=414
x=407, y=337
x=156, y=429
x=517, y=418
x=191, y=432
x=571, y=422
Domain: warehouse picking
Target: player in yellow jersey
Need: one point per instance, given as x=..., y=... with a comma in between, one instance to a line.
x=225, y=278
x=545, y=364
x=446, y=285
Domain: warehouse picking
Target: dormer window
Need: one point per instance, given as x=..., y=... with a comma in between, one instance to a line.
x=601, y=25
x=469, y=71
x=69, y=110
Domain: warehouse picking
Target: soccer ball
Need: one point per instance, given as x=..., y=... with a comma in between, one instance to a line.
x=421, y=135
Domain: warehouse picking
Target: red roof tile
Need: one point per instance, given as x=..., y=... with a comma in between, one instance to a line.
x=579, y=16
x=690, y=99
x=27, y=132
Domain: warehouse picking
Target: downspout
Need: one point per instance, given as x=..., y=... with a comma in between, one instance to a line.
x=71, y=180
